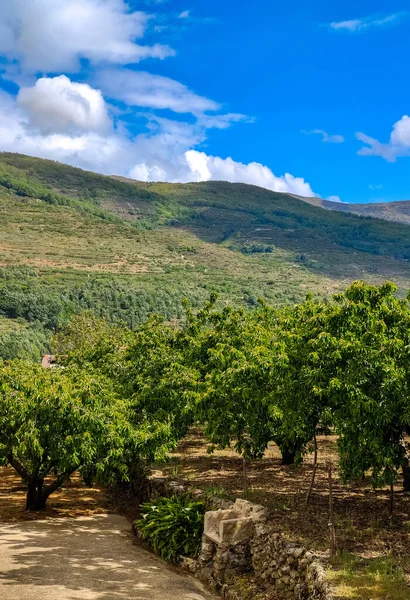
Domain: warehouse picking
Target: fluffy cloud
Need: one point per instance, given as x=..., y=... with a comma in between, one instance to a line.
x=165, y=152
x=59, y=118
x=398, y=144
x=53, y=35
x=326, y=137
x=138, y=88
x=365, y=23
x=400, y=135
x=90, y=150
x=205, y=168
x=58, y=105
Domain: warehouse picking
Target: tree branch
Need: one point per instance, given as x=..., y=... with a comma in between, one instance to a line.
x=312, y=481
x=44, y=472
x=21, y=470
x=57, y=483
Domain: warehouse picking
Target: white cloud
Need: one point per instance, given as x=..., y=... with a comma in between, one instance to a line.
x=53, y=35
x=400, y=135
x=205, y=168
x=398, y=144
x=365, y=23
x=138, y=88
x=58, y=118
x=334, y=199
x=160, y=154
x=223, y=121
x=104, y=153
x=375, y=186
x=58, y=105
x=166, y=152
x=326, y=137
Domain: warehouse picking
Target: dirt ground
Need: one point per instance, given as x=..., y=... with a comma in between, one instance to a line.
x=73, y=500
x=85, y=558
x=374, y=547
x=364, y=526
x=54, y=554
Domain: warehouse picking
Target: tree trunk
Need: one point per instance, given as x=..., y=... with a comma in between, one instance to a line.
x=245, y=478
x=37, y=494
x=88, y=475
x=291, y=450
x=288, y=456
x=406, y=476
x=332, y=528
x=312, y=481
x=36, y=499
x=391, y=498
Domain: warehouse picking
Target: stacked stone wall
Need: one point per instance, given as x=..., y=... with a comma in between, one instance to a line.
x=293, y=571
x=276, y=563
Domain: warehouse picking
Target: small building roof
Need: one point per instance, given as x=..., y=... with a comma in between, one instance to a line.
x=49, y=361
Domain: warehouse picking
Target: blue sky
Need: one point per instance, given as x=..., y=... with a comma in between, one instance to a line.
x=305, y=97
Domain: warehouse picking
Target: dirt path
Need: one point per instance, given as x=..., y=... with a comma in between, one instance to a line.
x=85, y=558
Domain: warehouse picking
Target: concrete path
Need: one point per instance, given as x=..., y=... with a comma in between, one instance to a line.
x=89, y=558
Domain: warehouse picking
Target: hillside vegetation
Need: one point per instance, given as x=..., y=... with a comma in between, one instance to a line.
x=263, y=387
x=72, y=240
x=397, y=212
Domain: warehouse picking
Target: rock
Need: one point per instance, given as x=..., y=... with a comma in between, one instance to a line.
x=275, y=560
x=219, y=503
x=190, y=564
x=298, y=552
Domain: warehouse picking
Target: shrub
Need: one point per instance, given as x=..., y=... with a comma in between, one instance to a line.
x=173, y=526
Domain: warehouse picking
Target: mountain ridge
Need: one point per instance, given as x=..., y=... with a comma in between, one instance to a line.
x=72, y=240
x=397, y=211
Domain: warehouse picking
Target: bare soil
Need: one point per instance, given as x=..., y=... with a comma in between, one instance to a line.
x=86, y=558
x=73, y=500
x=363, y=523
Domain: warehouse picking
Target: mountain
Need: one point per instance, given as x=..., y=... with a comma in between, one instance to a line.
x=398, y=212
x=72, y=240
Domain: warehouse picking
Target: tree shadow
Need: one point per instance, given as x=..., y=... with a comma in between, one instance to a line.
x=89, y=558
x=363, y=519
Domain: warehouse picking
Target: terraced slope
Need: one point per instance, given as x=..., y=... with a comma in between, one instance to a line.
x=72, y=240
x=397, y=212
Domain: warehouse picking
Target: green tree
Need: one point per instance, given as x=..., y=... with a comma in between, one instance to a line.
x=362, y=368
x=157, y=376
x=145, y=367
x=53, y=422
x=237, y=356
x=303, y=405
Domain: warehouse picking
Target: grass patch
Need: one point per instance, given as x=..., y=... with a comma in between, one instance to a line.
x=374, y=548
x=380, y=578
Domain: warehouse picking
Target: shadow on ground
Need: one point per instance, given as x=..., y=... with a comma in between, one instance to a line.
x=89, y=558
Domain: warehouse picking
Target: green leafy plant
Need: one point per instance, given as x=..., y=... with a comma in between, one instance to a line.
x=56, y=421
x=173, y=526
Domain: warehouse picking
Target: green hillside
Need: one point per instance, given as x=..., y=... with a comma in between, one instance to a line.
x=72, y=240
x=397, y=212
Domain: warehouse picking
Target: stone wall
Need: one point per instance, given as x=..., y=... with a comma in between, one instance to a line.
x=276, y=563
x=218, y=563
x=159, y=486
x=288, y=567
